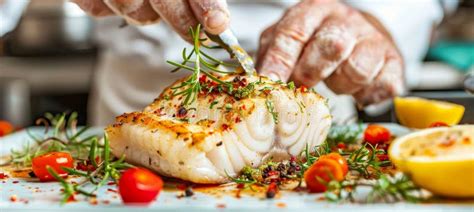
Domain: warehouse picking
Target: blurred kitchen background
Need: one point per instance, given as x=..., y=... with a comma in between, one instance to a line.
x=47, y=63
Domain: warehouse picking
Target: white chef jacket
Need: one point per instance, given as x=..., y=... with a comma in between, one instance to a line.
x=132, y=68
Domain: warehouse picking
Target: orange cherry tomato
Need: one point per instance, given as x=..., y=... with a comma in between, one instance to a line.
x=324, y=169
x=138, y=185
x=339, y=159
x=55, y=160
x=5, y=128
x=376, y=134
x=438, y=124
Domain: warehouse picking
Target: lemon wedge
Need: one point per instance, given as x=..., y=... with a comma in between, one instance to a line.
x=440, y=160
x=416, y=112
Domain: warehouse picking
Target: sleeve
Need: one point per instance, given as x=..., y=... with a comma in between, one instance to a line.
x=410, y=23
x=10, y=13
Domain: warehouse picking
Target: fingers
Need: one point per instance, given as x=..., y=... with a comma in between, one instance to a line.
x=178, y=14
x=138, y=12
x=290, y=36
x=328, y=48
x=212, y=14
x=265, y=38
x=387, y=84
x=360, y=69
x=94, y=8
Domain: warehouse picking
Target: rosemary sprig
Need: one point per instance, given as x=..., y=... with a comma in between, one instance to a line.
x=203, y=64
x=364, y=160
x=61, y=134
x=384, y=189
x=108, y=168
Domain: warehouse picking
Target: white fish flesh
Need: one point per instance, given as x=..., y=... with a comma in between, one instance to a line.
x=221, y=131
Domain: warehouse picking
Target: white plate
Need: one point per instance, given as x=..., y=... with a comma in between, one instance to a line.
x=46, y=196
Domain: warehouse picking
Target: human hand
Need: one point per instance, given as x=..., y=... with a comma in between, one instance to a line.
x=324, y=40
x=179, y=14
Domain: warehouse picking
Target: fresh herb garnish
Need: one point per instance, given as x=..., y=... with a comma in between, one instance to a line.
x=94, y=161
x=384, y=189
x=271, y=110
x=61, y=134
x=106, y=167
x=203, y=64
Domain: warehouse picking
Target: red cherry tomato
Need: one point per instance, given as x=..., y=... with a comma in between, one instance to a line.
x=339, y=159
x=5, y=128
x=438, y=124
x=324, y=169
x=376, y=134
x=55, y=160
x=138, y=185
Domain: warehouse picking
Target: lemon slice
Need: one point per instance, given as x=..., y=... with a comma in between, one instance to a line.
x=440, y=160
x=416, y=112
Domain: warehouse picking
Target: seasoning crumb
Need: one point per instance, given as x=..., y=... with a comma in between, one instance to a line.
x=220, y=205
x=106, y=202
x=15, y=182
x=13, y=198
x=281, y=205
x=93, y=201
x=188, y=192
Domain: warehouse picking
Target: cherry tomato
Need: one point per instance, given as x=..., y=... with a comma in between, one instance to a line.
x=138, y=185
x=339, y=159
x=5, y=128
x=324, y=169
x=376, y=134
x=438, y=124
x=55, y=160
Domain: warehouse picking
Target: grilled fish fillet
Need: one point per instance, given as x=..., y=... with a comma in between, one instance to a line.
x=221, y=131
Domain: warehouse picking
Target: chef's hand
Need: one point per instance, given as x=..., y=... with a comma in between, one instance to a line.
x=180, y=14
x=324, y=40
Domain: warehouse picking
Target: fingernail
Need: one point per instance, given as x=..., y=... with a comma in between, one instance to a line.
x=215, y=20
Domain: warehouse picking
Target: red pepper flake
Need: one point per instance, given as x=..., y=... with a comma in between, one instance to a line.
x=303, y=88
x=237, y=119
x=225, y=127
x=203, y=78
x=105, y=202
x=220, y=205
x=13, y=198
x=112, y=190
x=341, y=146
x=15, y=182
x=181, y=187
x=382, y=157
x=3, y=176
x=111, y=183
x=240, y=186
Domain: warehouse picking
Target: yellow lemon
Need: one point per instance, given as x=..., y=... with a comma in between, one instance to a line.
x=440, y=160
x=416, y=112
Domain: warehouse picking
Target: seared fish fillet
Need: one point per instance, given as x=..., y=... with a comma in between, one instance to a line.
x=221, y=131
